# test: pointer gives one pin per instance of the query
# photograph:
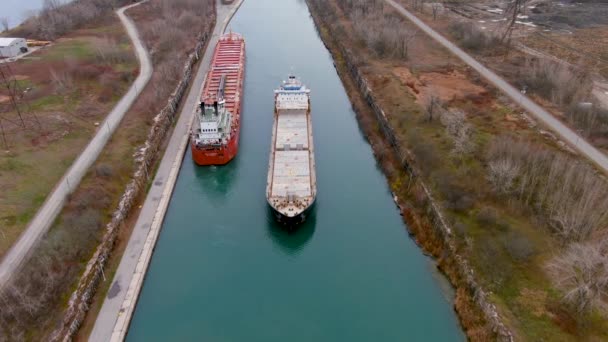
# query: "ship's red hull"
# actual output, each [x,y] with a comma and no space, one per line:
[229,61]
[215,156]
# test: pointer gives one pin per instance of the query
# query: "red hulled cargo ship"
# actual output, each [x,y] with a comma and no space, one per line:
[215,134]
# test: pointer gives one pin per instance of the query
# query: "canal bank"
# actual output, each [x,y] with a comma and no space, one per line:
[224,270]
[421,211]
[113,320]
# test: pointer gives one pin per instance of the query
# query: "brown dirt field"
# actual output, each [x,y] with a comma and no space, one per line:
[448,86]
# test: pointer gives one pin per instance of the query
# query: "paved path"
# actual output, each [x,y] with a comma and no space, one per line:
[564,132]
[54,202]
[29,52]
[113,320]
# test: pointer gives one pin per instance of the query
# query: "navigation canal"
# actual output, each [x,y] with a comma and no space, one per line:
[224,271]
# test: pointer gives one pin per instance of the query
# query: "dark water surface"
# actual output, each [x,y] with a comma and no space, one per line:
[223,271]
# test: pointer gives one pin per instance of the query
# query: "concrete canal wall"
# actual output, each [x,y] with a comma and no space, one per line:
[80,299]
[438,222]
[115,316]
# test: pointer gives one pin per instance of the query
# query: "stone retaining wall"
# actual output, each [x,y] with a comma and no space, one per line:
[145,158]
[437,219]
[434,210]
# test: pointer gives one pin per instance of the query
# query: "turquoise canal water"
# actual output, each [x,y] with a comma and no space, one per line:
[224,271]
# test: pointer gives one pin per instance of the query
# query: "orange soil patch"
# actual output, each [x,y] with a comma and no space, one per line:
[449,86]
[4,98]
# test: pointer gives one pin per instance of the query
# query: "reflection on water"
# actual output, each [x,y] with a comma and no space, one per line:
[225,270]
[216,182]
[291,241]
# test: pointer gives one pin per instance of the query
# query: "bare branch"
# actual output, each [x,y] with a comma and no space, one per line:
[582,273]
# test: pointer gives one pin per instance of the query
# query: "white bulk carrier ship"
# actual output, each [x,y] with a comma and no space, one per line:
[292,185]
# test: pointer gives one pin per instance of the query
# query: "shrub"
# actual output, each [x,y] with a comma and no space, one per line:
[487,217]
[90,72]
[459,131]
[581,272]
[472,38]
[386,35]
[519,247]
[556,82]
[495,268]
[569,194]
[104,170]
[454,195]
[62,81]
[460,228]
[108,51]
[592,120]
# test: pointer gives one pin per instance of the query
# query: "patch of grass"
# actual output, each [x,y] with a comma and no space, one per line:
[47,102]
[77,48]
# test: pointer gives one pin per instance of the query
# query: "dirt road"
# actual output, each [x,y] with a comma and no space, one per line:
[54,202]
[564,132]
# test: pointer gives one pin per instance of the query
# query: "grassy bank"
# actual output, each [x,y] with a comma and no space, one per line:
[452,124]
[69,87]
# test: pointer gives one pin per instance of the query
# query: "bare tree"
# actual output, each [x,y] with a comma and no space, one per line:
[62,81]
[406,40]
[502,174]
[4,23]
[436,7]
[418,5]
[514,10]
[577,205]
[432,106]
[458,128]
[569,195]
[582,274]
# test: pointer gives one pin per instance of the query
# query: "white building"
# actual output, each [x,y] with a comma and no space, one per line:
[11,47]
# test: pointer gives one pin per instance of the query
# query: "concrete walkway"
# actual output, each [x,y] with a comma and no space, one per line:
[563,131]
[54,202]
[118,307]
[29,52]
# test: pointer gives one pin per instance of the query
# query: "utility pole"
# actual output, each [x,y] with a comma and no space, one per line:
[513,11]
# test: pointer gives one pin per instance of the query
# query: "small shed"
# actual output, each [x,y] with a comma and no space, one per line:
[11,47]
